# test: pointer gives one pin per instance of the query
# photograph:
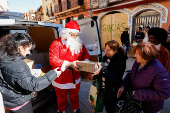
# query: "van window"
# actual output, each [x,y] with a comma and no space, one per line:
[18,31]
[4,17]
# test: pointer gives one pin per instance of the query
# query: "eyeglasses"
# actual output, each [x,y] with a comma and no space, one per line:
[108,50]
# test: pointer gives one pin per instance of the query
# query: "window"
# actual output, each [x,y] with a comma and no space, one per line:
[47,13]
[61,21]
[81,16]
[68,4]
[68,19]
[80,2]
[51,10]
[60,5]
[51,7]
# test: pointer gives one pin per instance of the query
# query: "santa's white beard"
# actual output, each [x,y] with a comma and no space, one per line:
[74,44]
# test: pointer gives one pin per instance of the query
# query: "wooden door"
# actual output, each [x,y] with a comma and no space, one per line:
[112,26]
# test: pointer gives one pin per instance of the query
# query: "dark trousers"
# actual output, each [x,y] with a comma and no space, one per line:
[25,109]
[110,105]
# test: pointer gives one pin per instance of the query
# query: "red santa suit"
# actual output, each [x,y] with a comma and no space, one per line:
[59,55]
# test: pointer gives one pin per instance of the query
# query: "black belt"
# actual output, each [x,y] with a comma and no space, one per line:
[73,75]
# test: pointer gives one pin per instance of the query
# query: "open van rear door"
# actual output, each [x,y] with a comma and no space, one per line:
[43,34]
[91,39]
[90,36]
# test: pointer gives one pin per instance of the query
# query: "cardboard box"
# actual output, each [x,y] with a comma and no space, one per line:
[132,50]
[41,58]
[30,63]
[46,68]
[88,66]
[84,74]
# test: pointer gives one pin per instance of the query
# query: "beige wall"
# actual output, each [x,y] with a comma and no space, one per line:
[46,3]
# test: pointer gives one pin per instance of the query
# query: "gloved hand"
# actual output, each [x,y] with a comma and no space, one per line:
[58,72]
[73,65]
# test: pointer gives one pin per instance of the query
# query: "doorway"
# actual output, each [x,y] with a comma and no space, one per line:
[148,18]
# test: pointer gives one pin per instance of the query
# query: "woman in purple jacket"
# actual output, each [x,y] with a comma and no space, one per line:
[149,79]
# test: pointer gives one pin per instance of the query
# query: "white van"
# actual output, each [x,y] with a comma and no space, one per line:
[43,34]
[12,15]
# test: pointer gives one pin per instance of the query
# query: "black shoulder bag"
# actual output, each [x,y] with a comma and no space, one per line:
[129,104]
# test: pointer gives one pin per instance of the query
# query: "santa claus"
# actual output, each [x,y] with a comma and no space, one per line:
[63,53]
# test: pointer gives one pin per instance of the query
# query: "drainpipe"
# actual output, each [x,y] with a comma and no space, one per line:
[90,8]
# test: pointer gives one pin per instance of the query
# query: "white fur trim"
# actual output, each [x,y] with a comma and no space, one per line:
[63,67]
[66,85]
[72,30]
[63,41]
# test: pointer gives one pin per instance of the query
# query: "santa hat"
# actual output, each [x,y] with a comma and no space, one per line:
[72,26]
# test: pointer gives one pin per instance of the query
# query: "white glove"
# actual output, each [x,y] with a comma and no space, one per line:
[73,65]
[58,72]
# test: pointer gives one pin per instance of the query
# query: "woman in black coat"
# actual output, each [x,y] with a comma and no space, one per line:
[110,75]
[18,84]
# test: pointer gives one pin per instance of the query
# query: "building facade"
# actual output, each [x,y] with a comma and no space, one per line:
[26,15]
[4,5]
[29,15]
[115,15]
[67,10]
[39,14]
[48,10]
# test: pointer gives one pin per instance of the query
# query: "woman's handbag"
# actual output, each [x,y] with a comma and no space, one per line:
[95,99]
[129,105]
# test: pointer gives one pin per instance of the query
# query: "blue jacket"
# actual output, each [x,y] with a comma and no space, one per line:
[151,84]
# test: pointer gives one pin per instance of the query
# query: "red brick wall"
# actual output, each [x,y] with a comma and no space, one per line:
[56,6]
[87,2]
[64,5]
[74,3]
